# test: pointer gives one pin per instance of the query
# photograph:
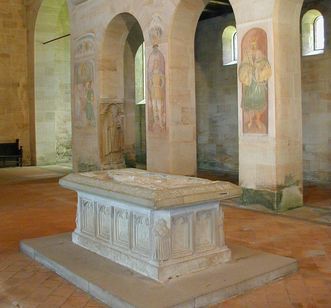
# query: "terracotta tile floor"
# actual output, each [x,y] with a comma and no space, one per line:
[317,196]
[28,209]
[33,208]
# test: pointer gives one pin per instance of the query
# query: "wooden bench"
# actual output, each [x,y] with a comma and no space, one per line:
[11,152]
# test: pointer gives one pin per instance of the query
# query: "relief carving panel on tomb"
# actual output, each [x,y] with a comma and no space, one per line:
[205,230]
[254,73]
[181,227]
[103,222]
[121,227]
[87,216]
[140,234]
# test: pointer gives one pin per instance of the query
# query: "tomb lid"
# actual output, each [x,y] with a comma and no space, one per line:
[150,189]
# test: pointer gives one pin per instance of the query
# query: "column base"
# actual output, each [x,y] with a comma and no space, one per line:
[280,200]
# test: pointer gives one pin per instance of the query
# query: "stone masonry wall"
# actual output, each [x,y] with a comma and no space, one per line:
[52,84]
[14,105]
[216,99]
[316,104]
[216,90]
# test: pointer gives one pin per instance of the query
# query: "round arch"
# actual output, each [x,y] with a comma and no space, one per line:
[181,70]
[52,83]
[122,38]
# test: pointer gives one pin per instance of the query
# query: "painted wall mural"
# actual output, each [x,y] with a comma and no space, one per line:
[156,91]
[156,81]
[84,82]
[254,73]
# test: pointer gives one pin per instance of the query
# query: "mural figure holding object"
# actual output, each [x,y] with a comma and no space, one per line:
[254,72]
[156,91]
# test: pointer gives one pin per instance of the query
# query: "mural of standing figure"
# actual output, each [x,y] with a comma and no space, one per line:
[254,72]
[84,94]
[90,102]
[156,91]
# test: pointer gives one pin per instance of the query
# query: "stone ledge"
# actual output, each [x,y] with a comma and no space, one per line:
[118,286]
[149,189]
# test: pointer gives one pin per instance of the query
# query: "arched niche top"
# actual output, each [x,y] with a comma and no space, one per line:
[117,33]
[312,27]
[52,21]
[229,45]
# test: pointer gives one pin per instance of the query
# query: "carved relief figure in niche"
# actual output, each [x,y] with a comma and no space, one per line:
[156,80]
[162,241]
[116,134]
[84,93]
[254,72]
[112,117]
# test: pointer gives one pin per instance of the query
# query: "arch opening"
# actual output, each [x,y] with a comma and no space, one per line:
[53,84]
[122,122]
[216,93]
[316,114]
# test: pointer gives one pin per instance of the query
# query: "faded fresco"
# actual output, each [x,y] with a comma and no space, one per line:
[85,104]
[156,81]
[84,94]
[254,72]
[84,83]
[156,91]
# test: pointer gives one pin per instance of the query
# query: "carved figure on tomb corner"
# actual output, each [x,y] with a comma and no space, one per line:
[162,241]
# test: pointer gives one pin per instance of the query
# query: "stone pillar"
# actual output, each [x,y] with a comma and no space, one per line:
[157,106]
[269,97]
[172,148]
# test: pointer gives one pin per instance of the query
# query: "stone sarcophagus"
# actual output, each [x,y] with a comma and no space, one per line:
[159,225]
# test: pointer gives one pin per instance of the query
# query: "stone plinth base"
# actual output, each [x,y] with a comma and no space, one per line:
[118,286]
[279,201]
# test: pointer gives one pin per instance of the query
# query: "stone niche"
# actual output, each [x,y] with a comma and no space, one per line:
[162,226]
